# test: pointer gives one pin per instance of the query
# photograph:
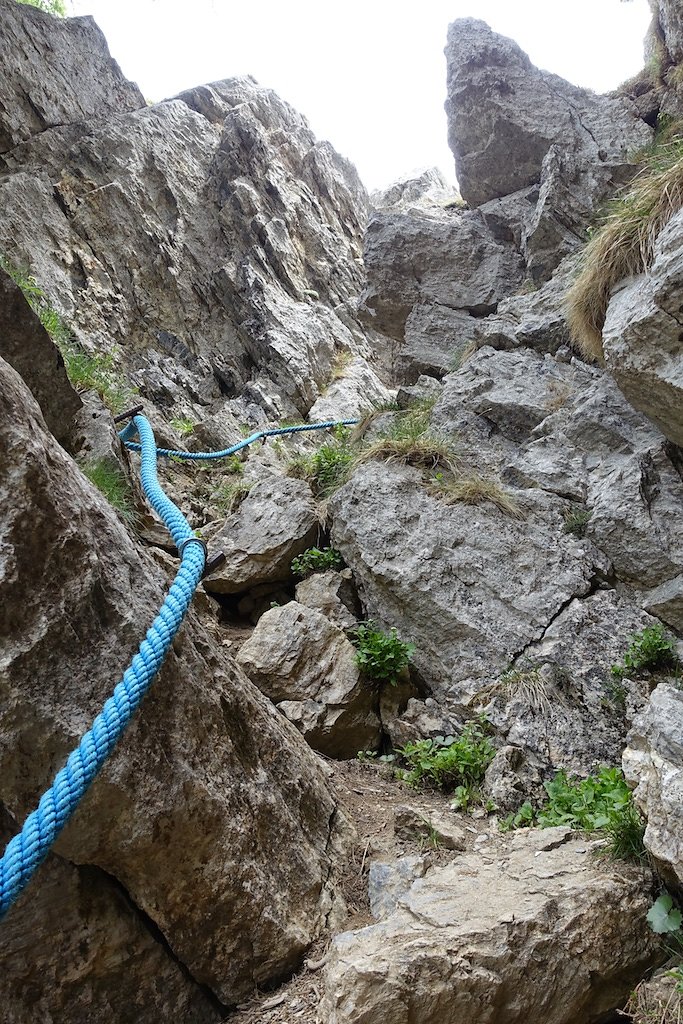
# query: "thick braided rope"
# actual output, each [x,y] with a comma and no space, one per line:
[206,456]
[26,851]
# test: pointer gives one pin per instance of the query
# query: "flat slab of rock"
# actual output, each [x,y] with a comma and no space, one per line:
[275,523]
[306,665]
[432,827]
[534,930]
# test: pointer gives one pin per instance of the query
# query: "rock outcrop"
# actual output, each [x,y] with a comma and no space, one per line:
[195,807]
[531,931]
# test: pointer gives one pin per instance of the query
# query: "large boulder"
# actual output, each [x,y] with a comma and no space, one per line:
[212,815]
[306,665]
[504,115]
[529,930]
[55,72]
[653,763]
[642,335]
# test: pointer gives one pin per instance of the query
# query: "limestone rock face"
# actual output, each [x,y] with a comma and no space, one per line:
[211,814]
[308,668]
[210,236]
[642,335]
[668,26]
[275,523]
[653,762]
[505,115]
[26,346]
[46,80]
[532,930]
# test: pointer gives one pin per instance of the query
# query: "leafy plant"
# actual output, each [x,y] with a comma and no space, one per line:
[328,467]
[650,649]
[316,560]
[109,479]
[56,7]
[382,656]
[51,320]
[576,521]
[183,426]
[447,762]
[663,917]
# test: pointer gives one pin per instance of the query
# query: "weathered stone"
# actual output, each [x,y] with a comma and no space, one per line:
[388,882]
[353,392]
[436,337]
[513,777]
[452,260]
[26,345]
[642,335]
[668,26]
[333,595]
[305,664]
[276,522]
[422,719]
[428,192]
[44,80]
[504,115]
[75,949]
[209,787]
[653,762]
[532,930]
[430,827]
[424,389]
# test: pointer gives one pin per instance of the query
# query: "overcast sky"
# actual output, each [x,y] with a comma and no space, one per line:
[368,74]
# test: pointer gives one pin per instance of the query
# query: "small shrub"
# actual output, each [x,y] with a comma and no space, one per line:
[381,656]
[447,762]
[576,521]
[651,649]
[328,468]
[228,497]
[108,478]
[316,560]
[183,426]
[598,802]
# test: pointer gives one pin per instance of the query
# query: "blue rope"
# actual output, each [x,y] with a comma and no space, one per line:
[26,851]
[206,456]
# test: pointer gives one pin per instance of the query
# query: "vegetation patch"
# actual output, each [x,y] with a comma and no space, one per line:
[381,656]
[650,650]
[474,489]
[183,426]
[109,479]
[455,763]
[623,245]
[524,683]
[316,560]
[576,521]
[408,440]
[228,497]
[601,802]
[327,468]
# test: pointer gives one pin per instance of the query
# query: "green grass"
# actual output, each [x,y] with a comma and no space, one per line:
[109,479]
[316,560]
[56,7]
[228,497]
[601,802]
[473,489]
[408,440]
[183,426]
[381,656]
[450,762]
[576,521]
[327,468]
[649,650]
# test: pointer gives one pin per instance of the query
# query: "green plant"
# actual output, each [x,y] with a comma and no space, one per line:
[665,919]
[576,521]
[624,243]
[625,832]
[326,469]
[51,320]
[649,650]
[381,656]
[56,7]
[183,426]
[229,496]
[109,479]
[447,762]
[316,560]
[525,816]
[409,441]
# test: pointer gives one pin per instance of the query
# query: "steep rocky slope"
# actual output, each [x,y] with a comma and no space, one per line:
[230,271]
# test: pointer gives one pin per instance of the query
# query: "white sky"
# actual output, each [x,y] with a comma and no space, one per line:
[368,74]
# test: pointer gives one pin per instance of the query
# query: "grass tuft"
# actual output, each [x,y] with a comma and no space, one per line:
[109,479]
[475,489]
[409,441]
[228,497]
[624,244]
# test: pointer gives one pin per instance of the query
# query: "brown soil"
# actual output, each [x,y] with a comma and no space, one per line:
[369,793]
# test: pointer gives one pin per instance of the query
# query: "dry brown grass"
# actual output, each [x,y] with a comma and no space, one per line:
[655,1002]
[474,490]
[624,245]
[408,440]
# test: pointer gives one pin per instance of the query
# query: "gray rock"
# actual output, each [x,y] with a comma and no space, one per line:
[75,949]
[333,595]
[424,389]
[513,776]
[642,335]
[435,340]
[504,115]
[195,809]
[55,72]
[452,260]
[432,828]
[668,25]
[388,882]
[356,390]
[428,192]
[532,930]
[305,664]
[653,763]
[26,345]
[276,522]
